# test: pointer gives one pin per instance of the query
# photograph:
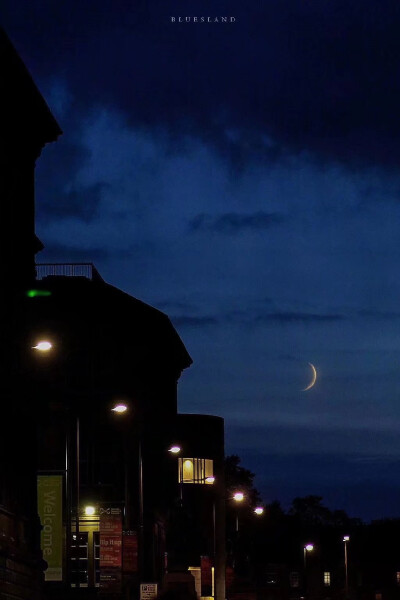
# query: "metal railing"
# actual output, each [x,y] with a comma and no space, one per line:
[87,270]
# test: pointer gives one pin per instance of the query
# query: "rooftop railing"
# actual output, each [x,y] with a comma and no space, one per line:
[87,270]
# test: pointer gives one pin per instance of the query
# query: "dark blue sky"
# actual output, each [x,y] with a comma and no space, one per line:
[244,178]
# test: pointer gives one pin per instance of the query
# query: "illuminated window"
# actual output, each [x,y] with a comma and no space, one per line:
[195,470]
[327,578]
[294,579]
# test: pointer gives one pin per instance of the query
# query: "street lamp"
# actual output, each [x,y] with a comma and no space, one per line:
[238,497]
[258,510]
[346,539]
[119,409]
[307,548]
[43,346]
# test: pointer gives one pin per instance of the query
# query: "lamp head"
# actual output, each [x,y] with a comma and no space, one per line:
[119,408]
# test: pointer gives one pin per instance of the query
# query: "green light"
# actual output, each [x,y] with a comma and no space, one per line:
[36,293]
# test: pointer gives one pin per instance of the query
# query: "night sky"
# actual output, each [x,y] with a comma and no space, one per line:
[242,177]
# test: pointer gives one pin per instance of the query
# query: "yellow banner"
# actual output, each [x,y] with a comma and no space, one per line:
[49,490]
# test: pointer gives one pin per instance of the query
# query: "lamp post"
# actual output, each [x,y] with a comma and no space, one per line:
[238,497]
[43,346]
[346,539]
[120,409]
[175,449]
[306,549]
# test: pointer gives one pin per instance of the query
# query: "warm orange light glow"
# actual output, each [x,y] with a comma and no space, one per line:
[238,496]
[120,408]
[43,346]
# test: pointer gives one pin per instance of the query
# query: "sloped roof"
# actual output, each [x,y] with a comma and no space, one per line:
[24,114]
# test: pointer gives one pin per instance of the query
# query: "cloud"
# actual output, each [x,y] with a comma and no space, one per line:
[65,253]
[286,77]
[232,223]
[293,317]
[379,314]
[193,321]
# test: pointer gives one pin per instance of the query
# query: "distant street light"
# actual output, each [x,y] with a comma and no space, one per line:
[307,548]
[238,497]
[346,539]
[259,510]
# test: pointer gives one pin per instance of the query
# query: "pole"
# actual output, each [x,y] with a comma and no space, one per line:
[346,570]
[68,537]
[141,511]
[77,499]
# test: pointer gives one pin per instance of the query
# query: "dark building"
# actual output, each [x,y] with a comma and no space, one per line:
[116,507]
[26,125]
[108,349]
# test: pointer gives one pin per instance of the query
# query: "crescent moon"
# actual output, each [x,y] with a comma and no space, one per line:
[313,380]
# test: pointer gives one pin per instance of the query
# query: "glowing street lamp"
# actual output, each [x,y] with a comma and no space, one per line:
[43,346]
[174,449]
[307,548]
[238,497]
[120,408]
[259,510]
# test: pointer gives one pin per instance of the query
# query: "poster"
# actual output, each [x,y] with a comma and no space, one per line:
[110,548]
[49,494]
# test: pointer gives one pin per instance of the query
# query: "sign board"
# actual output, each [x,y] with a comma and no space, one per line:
[49,495]
[110,538]
[110,549]
[148,591]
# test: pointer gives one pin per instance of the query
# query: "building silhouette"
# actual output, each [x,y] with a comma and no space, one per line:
[116,507]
